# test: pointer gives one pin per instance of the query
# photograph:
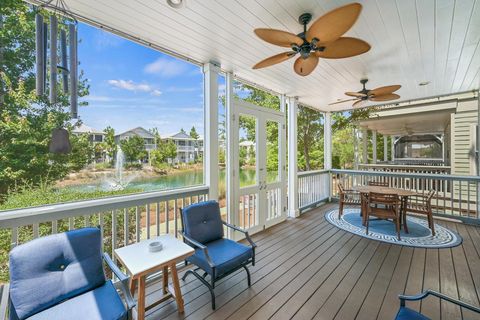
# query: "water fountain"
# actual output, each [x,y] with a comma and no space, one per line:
[119,181]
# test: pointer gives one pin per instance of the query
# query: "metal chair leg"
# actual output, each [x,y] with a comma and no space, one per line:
[248,276]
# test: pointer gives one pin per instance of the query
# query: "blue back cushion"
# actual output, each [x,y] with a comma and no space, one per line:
[202,221]
[48,270]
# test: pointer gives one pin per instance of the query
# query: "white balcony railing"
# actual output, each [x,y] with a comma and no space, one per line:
[313,188]
[456,196]
[122,219]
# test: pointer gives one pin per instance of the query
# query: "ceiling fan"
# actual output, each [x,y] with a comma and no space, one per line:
[322,40]
[378,94]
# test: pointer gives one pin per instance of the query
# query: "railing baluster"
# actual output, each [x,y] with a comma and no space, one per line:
[114,231]
[35,230]
[126,231]
[100,224]
[167,229]
[175,210]
[137,224]
[147,219]
[14,237]
[54,226]
[157,218]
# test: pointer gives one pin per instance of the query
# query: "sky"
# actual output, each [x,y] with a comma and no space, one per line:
[131,86]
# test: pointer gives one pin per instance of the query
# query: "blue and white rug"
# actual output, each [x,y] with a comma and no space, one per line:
[419,234]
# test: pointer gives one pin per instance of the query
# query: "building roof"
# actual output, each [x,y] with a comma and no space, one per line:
[182,136]
[86,129]
[139,131]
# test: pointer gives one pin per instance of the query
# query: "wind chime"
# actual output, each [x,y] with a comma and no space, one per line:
[60,142]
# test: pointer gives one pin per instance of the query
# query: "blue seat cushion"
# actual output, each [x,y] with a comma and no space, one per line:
[225,254]
[102,303]
[49,270]
[202,221]
[408,314]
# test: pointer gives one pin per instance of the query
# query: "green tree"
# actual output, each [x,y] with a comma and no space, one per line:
[310,138]
[110,146]
[169,150]
[194,135]
[133,148]
[83,151]
[26,121]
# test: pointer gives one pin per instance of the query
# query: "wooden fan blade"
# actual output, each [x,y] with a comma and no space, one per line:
[343,47]
[384,90]
[274,59]
[342,101]
[385,97]
[278,37]
[305,66]
[359,103]
[335,23]
[355,94]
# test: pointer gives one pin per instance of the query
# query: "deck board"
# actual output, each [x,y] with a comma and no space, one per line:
[308,269]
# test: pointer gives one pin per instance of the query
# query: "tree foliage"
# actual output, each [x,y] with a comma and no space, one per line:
[109,143]
[133,148]
[26,120]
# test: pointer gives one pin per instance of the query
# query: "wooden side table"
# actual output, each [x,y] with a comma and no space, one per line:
[140,263]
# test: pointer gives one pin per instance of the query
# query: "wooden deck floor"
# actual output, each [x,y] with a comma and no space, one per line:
[309,269]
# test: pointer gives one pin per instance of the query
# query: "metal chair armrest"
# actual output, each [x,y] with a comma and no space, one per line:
[442,296]
[124,281]
[247,236]
[200,246]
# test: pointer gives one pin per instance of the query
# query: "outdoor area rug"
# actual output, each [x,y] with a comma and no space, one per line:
[419,234]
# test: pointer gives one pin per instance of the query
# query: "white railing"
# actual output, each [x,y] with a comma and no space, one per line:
[123,219]
[456,196]
[406,168]
[313,188]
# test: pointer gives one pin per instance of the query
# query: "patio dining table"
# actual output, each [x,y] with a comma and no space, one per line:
[402,193]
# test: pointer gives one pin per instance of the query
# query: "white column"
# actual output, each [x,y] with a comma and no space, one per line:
[282,151]
[292,159]
[365,145]
[374,146]
[392,138]
[355,148]
[327,141]
[210,93]
[385,148]
[232,152]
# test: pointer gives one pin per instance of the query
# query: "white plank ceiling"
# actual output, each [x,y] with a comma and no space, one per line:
[412,41]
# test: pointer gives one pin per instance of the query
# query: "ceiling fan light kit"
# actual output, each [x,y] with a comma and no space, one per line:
[322,40]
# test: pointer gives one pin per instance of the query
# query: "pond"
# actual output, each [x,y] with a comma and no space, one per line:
[175,180]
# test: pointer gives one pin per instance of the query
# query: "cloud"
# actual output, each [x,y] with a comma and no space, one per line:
[94,98]
[132,86]
[166,67]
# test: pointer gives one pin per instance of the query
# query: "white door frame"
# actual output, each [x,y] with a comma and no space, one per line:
[276,191]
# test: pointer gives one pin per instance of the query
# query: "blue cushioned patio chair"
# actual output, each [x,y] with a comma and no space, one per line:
[61,277]
[405,313]
[202,228]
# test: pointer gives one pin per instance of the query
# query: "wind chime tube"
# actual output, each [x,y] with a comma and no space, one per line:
[39,53]
[63,49]
[44,55]
[53,59]
[73,71]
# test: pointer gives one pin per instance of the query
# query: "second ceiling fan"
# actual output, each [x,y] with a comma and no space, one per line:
[322,40]
[361,97]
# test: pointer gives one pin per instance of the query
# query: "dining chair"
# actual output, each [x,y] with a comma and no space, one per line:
[378,183]
[405,313]
[384,206]
[347,197]
[422,204]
